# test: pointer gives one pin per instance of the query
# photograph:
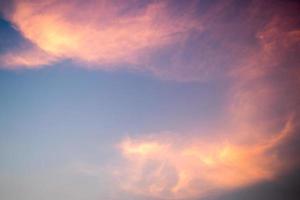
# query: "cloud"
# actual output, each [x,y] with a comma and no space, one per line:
[191,41]
[102,32]
[167,167]
[262,114]
[26,58]
[286,187]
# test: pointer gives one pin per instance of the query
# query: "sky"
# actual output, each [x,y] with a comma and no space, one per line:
[149,100]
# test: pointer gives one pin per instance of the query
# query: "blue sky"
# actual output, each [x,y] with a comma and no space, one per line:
[57,117]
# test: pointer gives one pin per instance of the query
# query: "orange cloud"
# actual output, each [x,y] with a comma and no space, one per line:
[100,33]
[262,110]
[184,45]
[194,167]
[28,58]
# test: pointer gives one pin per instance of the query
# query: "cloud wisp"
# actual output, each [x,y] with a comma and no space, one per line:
[263,114]
[164,168]
[102,33]
[194,40]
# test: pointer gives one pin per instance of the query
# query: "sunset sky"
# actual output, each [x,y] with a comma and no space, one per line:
[149,100]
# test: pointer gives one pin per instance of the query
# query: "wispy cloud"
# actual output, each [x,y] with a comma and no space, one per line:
[254,147]
[26,58]
[262,118]
[102,32]
[195,41]
[181,166]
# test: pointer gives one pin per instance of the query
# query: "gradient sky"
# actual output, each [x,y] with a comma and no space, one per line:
[149,100]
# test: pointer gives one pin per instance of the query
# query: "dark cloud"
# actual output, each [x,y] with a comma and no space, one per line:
[285,187]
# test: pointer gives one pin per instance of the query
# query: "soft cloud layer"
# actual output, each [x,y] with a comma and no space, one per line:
[263,114]
[164,168]
[27,58]
[103,32]
[194,40]
[255,145]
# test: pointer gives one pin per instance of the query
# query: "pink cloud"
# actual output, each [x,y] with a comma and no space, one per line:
[100,33]
[262,119]
[184,44]
[162,167]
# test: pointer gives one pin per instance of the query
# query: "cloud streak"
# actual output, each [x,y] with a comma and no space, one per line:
[102,33]
[172,167]
[194,41]
[262,119]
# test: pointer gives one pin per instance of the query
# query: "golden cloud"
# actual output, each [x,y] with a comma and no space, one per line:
[262,119]
[183,44]
[28,58]
[100,33]
[164,168]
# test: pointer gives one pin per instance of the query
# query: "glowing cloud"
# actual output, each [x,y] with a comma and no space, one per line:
[32,58]
[102,32]
[183,44]
[261,120]
[194,168]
